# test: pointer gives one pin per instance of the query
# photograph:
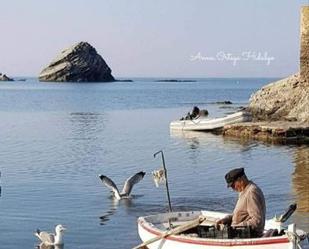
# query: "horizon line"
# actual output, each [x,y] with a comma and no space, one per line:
[181,77]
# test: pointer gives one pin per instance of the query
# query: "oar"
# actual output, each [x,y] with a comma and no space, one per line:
[173,231]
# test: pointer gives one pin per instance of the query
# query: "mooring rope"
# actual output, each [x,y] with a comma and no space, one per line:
[294,237]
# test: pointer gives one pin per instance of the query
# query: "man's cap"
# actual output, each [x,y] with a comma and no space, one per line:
[233,175]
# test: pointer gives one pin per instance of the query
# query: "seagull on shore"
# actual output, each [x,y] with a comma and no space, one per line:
[50,238]
[128,185]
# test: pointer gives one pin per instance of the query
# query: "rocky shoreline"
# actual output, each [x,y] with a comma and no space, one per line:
[280,114]
[280,110]
[284,100]
[276,132]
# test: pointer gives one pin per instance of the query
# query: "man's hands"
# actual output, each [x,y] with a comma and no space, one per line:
[224,221]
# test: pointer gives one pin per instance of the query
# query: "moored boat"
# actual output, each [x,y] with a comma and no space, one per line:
[156,230]
[203,123]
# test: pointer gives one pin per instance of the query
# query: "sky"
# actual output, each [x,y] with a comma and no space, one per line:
[156,38]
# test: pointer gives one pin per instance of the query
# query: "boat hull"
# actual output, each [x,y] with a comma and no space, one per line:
[148,230]
[206,124]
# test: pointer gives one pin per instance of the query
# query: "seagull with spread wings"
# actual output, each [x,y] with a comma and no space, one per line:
[128,185]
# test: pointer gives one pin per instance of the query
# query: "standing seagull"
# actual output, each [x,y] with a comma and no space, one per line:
[128,185]
[50,238]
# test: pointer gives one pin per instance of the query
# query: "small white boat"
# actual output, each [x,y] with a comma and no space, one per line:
[203,123]
[156,226]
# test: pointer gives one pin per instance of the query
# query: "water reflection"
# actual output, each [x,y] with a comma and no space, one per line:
[43,246]
[193,138]
[300,178]
[113,208]
[198,139]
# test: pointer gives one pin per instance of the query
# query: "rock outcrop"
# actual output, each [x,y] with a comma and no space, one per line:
[285,100]
[3,77]
[278,132]
[79,63]
[280,110]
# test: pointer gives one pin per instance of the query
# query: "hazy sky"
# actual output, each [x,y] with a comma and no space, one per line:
[164,38]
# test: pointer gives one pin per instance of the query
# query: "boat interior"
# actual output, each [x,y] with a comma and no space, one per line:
[207,228]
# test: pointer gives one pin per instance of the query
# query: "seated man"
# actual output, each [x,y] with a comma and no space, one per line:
[196,113]
[250,208]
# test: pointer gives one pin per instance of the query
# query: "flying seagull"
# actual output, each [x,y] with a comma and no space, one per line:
[50,238]
[128,185]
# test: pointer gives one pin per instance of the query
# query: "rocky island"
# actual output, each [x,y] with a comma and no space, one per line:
[280,110]
[79,63]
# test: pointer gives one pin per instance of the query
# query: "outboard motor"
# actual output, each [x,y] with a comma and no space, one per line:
[284,217]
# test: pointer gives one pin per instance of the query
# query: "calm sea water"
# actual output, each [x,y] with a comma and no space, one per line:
[55,139]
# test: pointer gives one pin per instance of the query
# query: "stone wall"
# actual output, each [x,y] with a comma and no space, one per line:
[304,44]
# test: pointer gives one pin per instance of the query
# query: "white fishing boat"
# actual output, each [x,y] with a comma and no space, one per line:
[206,124]
[190,230]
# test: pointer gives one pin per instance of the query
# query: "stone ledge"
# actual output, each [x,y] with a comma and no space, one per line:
[280,132]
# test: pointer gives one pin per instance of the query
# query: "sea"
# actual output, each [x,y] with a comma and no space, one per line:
[57,138]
